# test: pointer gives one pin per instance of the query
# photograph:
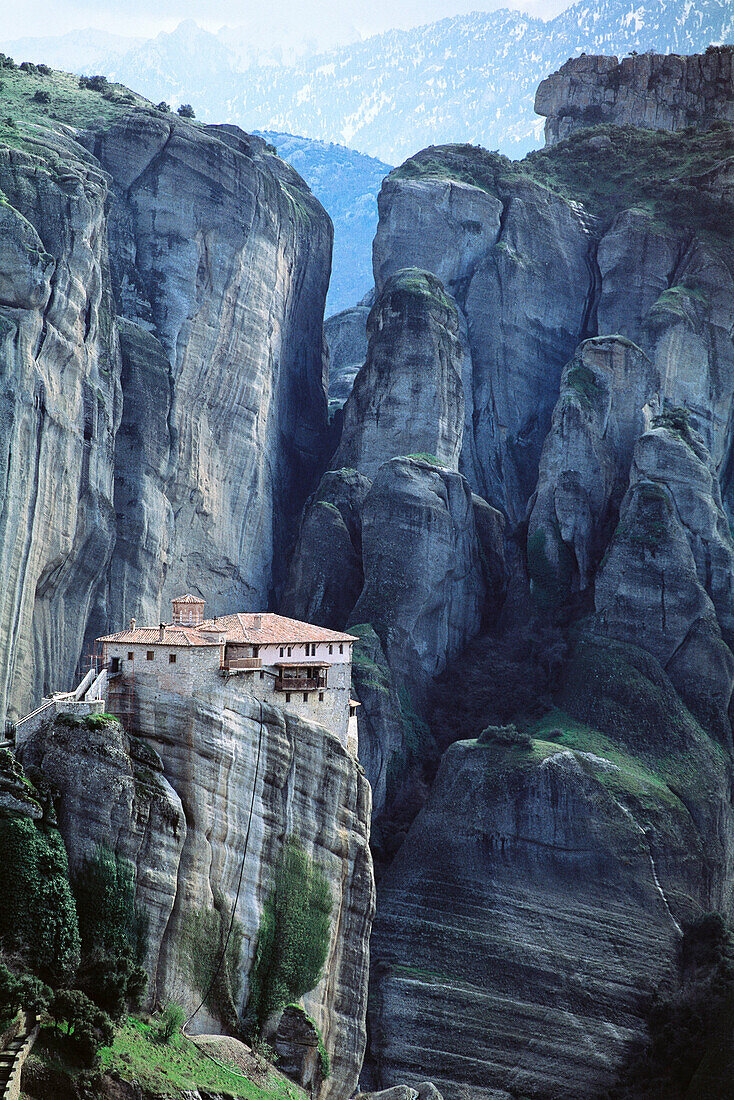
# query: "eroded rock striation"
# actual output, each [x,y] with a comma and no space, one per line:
[171,447]
[609,390]
[549,886]
[666,582]
[657,91]
[61,405]
[176,801]
[408,396]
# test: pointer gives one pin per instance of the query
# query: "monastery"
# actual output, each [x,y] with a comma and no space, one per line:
[293,665]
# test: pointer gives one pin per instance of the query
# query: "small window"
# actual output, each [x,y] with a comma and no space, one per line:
[256,651]
[341,647]
[305,696]
[331,649]
[289,651]
[282,651]
[130,655]
[321,696]
[287,697]
[262,674]
[172,658]
[149,655]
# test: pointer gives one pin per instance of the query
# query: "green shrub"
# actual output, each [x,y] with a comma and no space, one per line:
[113,934]
[294,936]
[37,912]
[109,918]
[85,1026]
[171,1021]
[505,735]
[186,111]
[94,83]
[689,1051]
[203,942]
[42,96]
[162,106]
[21,991]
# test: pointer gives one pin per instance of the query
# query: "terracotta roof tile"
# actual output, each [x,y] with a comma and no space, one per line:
[275,629]
[188,598]
[150,635]
[240,627]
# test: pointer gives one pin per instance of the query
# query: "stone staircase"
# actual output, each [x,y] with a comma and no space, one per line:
[12,1058]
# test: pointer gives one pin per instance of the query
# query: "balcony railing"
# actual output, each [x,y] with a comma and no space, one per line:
[299,683]
[242,663]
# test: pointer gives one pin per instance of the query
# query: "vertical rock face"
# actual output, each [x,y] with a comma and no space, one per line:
[668,571]
[60,407]
[145,520]
[326,577]
[223,250]
[528,908]
[586,459]
[177,802]
[424,590]
[218,256]
[408,397]
[659,92]
[496,245]
[346,336]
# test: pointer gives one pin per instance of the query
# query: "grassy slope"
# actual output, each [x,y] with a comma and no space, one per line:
[69,103]
[174,1068]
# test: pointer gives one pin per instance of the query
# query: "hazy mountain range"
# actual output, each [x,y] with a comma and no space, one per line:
[470,78]
[346,183]
[467,78]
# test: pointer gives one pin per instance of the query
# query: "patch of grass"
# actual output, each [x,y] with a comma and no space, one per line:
[421,456]
[654,171]
[168,1068]
[62,100]
[582,382]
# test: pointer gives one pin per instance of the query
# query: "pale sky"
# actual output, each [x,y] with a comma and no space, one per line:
[318,17]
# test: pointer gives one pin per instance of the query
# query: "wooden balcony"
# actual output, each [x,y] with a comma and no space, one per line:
[242,664]
[300,683]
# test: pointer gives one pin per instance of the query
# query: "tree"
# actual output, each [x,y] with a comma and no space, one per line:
[186,111]
[21,991]
[87,1027]
[162,106]
[171,1022]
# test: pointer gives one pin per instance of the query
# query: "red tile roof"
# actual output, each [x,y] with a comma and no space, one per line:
[188,598]
[273,629]
[150,635]
[240,627]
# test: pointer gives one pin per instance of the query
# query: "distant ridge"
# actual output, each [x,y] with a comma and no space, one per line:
[467,78]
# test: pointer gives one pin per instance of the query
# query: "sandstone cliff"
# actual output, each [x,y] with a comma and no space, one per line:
[661,92]
[176,802]
[61,404]
[171,447]
[408,396]
[548,884]
[346,336]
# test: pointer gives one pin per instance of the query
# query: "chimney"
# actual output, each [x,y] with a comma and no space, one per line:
[257,622]
[132,624]
[161,632]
